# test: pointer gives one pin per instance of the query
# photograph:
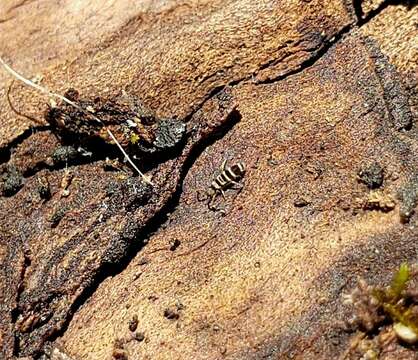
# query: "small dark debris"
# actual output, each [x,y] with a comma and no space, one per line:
[315,169]
[174,244]
[58,216]
[137,275]
[179,306]
[111,165]
[64,154]
[301,202]
[143,261]
[372,176]
[44,189]
[133,323]
[12,182]
[272,161]
[72,94]
[119,344]
[112,187]
[139,336]
[119,354]
[171,314]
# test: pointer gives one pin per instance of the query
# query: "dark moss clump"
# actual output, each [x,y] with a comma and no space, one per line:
[372,176]
[408,197]
[169,134]
[64,155]
[136,192]
[113,187]
[12,182]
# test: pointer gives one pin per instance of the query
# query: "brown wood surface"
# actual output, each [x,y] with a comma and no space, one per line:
[306,93]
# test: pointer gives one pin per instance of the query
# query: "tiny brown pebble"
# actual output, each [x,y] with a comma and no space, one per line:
[133,323]
[273,162]
[143,261]
[119,354]
[137,275]
[118,344]
[171,314]
[44,189]
[139,336]
[174,244]
[301,202]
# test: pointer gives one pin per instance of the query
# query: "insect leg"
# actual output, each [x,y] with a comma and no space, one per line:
[202,196]
[237,184]
[210,204]
[223,165]
[223,194]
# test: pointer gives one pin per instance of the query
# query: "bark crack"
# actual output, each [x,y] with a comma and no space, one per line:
[152,226]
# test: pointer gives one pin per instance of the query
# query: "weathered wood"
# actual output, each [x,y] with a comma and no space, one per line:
[292,89]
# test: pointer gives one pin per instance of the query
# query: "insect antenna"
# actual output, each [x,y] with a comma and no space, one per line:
[69,102]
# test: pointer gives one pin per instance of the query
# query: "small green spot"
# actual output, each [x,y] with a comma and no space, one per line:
[399,282]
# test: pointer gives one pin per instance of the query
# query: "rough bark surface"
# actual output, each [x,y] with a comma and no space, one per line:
[310,95]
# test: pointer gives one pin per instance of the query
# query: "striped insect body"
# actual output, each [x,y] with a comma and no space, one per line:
[229,176]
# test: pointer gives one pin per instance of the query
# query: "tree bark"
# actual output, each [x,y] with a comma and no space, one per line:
[309,95]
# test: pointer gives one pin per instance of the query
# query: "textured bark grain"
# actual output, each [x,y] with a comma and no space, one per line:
[296,90]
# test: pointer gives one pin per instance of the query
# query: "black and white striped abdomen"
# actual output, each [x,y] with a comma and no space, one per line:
[228,176]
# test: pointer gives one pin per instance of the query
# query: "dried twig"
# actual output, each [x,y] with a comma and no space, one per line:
[16,111]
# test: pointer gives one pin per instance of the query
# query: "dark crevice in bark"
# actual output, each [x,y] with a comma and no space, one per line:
[211,94]
[318,54]
[98,151]
[6,151]
[152,226]
[373,13]
[2,21]
[328,44]
[15,312]
[358,10]
[18,5]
